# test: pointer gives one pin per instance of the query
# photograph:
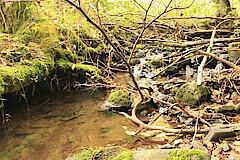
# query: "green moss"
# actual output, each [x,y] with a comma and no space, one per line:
[124,155]
[119,98]
[22,48]
[139,46]
[23,74]
[86,154]
[77,67]
[105,153]
[82,68]
[42,32]
[186,154]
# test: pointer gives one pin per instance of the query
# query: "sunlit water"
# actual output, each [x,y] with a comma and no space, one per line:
[56,127]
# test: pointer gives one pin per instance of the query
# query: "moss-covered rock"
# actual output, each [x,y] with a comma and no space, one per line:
[124,155]
[234,51]
[117,101]
[85,154]
[186,154]
[191,94]
[103,153]
[170,154]
[157,63]
[119,98]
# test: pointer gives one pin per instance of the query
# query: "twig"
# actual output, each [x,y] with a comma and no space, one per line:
[139,5]
[144,21]
[195,133]
[163,70]
[159,114]
[192,114]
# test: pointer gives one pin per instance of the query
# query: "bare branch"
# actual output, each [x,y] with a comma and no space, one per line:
[118,51]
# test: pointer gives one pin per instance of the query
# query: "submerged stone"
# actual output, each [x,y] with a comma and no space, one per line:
[190,94]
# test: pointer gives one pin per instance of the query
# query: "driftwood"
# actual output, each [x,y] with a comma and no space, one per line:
[142,125]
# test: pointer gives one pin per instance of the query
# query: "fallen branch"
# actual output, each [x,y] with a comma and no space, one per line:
[195,133]
[200,68]
[163,70]
[194,43]
[221,59]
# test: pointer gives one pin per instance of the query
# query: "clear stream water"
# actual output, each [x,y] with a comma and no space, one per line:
[56,127]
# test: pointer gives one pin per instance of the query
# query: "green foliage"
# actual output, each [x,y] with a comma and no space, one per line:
[186,154]
[119,98]
[124,155]
[15,15]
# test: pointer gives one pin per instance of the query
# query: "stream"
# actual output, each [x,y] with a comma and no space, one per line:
[55,127]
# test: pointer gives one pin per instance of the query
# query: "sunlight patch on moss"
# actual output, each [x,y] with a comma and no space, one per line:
[186,154]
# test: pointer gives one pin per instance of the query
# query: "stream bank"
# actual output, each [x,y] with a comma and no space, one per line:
[35,49]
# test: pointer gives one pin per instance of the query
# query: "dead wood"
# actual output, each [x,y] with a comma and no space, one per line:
[194,43]
[221,59]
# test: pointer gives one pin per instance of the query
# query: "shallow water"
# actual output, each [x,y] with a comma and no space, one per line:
[55,127]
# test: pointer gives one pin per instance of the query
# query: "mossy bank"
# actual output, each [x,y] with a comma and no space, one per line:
[34,48]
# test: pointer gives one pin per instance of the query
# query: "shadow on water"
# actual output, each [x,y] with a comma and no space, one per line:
[54,127]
